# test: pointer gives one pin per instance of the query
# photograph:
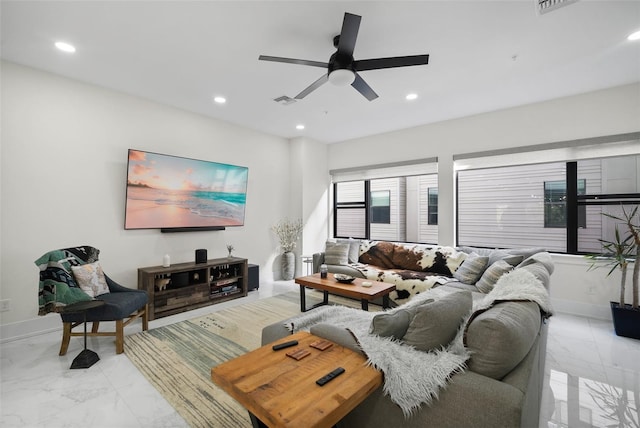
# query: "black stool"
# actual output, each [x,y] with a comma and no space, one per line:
[87,357]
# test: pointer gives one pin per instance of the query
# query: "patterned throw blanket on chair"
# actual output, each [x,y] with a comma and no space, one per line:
[57,287]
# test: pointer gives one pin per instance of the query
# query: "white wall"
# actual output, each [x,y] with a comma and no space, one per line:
[311,179]
[601,113]
[64,158]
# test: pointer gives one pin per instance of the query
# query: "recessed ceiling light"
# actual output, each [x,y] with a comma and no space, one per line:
[300,127]
[65,47]
[410,97]
[634,36]
[219,100]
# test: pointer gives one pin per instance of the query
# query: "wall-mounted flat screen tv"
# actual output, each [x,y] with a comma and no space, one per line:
[176,194]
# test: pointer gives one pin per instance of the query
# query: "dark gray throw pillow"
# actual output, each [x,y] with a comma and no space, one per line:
[436,324]
[394,324]
[391,325]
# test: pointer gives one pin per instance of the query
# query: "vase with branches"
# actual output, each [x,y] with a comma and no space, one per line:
[288,231]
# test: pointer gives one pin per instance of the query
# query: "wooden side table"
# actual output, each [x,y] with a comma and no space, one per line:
[280,392]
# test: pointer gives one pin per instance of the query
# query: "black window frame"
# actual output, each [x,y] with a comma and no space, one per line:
[561,205]
[352,205]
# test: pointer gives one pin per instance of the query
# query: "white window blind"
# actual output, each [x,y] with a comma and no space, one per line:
[396,169]
[565,151]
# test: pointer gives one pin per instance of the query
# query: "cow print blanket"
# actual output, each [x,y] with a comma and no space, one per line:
[413,268]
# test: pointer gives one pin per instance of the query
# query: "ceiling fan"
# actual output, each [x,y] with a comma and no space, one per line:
[342,69]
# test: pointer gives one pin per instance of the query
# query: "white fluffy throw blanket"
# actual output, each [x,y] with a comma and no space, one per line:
[413,377]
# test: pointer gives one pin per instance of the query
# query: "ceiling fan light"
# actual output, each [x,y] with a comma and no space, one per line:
[342,77]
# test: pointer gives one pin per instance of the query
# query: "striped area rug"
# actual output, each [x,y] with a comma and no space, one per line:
[177,359]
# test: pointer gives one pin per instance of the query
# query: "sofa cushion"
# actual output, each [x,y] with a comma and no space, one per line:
[336,253]
[354,249]
[543,258]
[471,269]
[492,274]
[435,324]
[391,325]
[394,324]
[500,337]
[335,334]
[539,271]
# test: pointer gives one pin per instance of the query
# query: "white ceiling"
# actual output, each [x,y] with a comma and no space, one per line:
[484,56]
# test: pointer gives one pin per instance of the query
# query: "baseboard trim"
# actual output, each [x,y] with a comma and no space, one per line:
[588,310]
[29,328]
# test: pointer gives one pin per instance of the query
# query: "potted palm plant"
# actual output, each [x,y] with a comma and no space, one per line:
[617,254]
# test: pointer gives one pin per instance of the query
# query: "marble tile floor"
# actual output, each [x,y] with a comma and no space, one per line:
[591,374]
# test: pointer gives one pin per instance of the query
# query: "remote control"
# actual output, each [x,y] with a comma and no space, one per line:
[330,376]
[285,345]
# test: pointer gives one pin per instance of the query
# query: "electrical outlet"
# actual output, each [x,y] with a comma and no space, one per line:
[5,305]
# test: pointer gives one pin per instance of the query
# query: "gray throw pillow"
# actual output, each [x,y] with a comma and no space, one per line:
[335,334]
[436,324]
[471,269]
[539,271]
[354,249]
[394,324]
[492,274]
[391,325]
[336,254]
[500,337]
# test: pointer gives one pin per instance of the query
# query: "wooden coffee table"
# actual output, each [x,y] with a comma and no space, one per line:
[354,289]
[279,391]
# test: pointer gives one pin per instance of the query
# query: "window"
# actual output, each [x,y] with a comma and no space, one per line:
[380,207]
[387,209]
[350,210]
[432,205]
[532,206]
[555,204]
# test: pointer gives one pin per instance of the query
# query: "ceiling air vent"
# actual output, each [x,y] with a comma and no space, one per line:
[546,6]
[284,100]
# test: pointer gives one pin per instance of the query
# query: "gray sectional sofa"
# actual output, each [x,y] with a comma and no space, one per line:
[414,268]
[502,384]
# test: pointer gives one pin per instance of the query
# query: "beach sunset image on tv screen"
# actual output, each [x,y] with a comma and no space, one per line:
[174,192]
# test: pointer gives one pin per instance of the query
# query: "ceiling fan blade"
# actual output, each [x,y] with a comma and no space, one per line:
[349,34]
[293,61]
[315,85]
[362,87]
[397,61]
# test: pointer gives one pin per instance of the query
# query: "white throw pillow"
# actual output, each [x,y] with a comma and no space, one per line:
[91,279]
